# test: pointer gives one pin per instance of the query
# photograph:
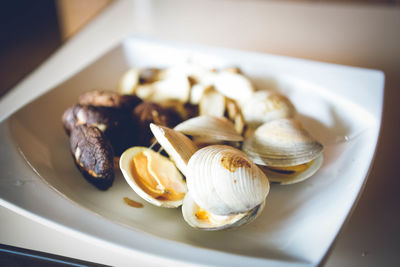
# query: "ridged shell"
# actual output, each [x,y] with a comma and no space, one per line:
[216,222]
[179,147]
[285,179]
[281,142]
[264,106]
[224,181]
[218,128]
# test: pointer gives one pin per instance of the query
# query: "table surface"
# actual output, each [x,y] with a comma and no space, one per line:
[358,35]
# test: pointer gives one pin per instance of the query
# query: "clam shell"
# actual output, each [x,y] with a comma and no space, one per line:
[129,82]
[224,181]
[285,179]
[150,190]
[235,115]
[264,106]
[209,126]
[216,222]
[233,85]
[196,93]
[198,73]
[212,103]
[281,142]
[171,88]
[179,147]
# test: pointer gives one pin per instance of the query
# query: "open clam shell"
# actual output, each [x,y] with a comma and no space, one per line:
[233,85]
[282,143]
[199,74]
[223,181]
[172,88]
[291,176]
[153,177]
[234,114]
[129,81]
[264,106]
[218,128]
[179,147]
[212,103]
[198,218]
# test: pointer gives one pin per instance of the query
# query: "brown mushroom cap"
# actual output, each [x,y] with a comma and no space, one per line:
[93,155]
[108,99]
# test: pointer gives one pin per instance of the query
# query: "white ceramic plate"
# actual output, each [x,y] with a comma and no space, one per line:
[339,105]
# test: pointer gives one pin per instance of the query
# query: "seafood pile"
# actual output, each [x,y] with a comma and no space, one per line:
[206,140]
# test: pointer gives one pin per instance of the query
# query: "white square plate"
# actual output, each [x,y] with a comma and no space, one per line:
[341,106]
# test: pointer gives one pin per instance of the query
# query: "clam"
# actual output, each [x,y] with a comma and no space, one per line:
[153,177]
[233,85]
[179,147]
[217,128]
[199,74]
[293,174]
[136,77]
[223,181]
[197,217]
[235,115]
[286,149]
[171,88]
[129,82]
[264,106]
[196,93]
[212,103]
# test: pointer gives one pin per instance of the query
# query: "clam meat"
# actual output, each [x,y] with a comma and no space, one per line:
[153,177]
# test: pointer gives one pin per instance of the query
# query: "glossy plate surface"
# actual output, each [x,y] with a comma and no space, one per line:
[341,106]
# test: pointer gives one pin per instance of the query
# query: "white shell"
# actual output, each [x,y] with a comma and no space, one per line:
[171,88]
[264,106]
[196,93]
[200,74]
[125,166]
[218,128]
[179,147]
[129,82]
[233,85]
[281,142]
[224,181]
[285,179]
[234,114]
[212,103]
[216,222]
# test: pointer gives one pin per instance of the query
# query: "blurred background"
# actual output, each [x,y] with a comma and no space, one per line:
[32,30]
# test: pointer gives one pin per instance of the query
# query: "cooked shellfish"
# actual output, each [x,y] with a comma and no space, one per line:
[233,85]
[179,147]
[222,180]
[217,128]
[197,217]
[285,147]
[153,177]
[264,106]
[212,103]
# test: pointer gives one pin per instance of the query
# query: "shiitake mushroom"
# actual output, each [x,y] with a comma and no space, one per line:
[93,155]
